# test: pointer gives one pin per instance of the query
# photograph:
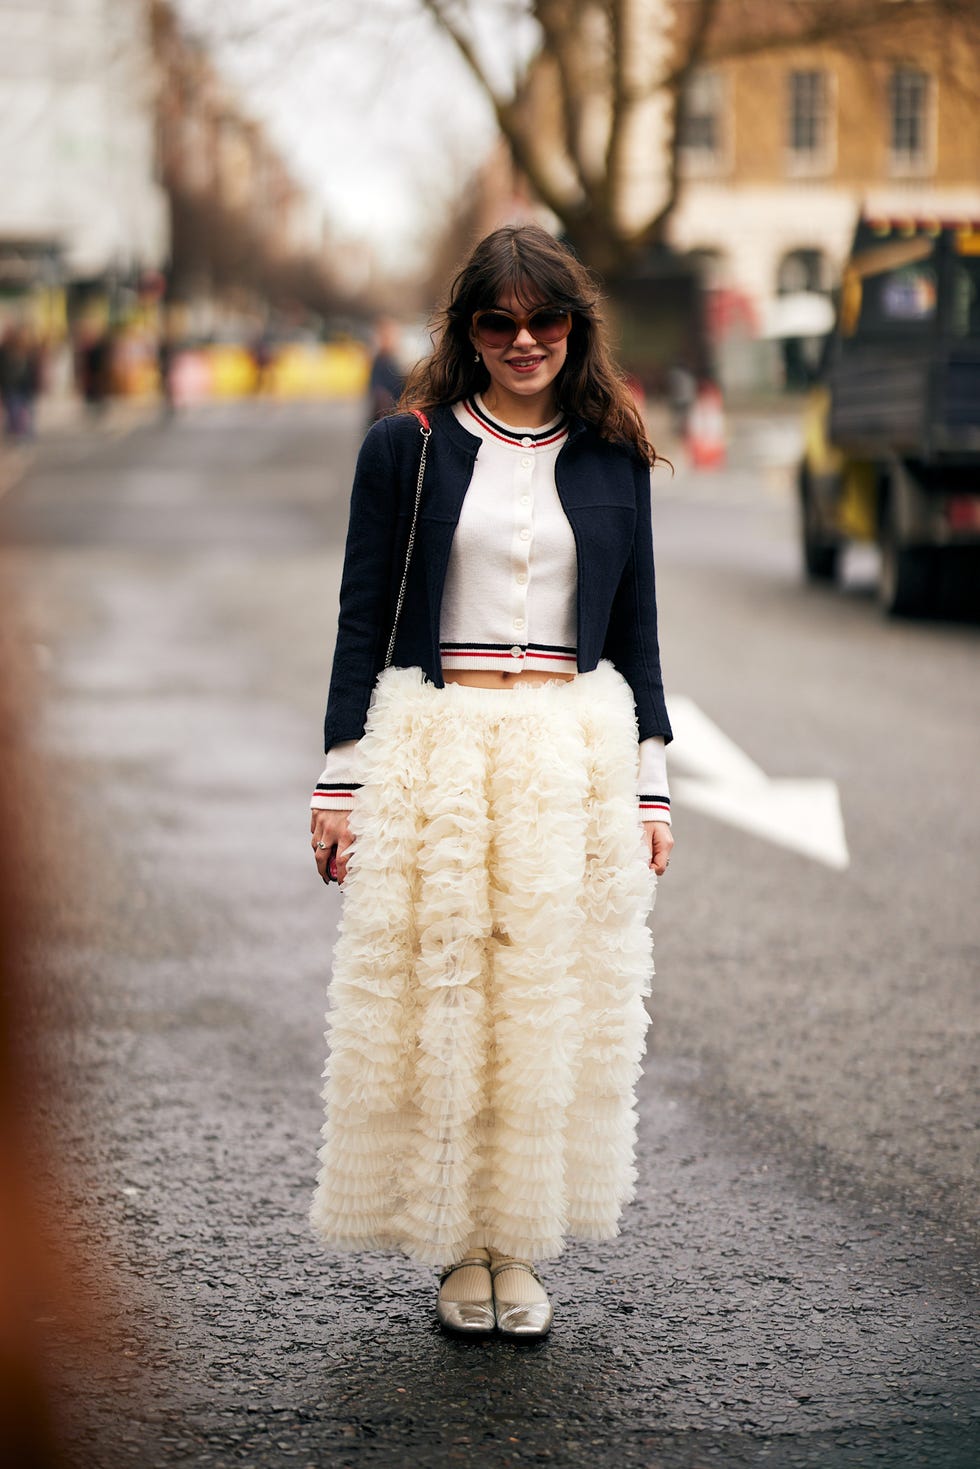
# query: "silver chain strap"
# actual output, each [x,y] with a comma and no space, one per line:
[426,431]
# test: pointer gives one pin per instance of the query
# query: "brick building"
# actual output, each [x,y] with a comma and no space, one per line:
[780,153]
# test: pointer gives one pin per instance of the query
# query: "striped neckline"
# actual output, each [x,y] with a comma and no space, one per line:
[520,438]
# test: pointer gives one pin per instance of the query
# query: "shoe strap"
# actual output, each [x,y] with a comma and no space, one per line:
[515,1265]
[469,1260]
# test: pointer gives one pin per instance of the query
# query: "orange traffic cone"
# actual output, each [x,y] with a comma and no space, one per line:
[706,429]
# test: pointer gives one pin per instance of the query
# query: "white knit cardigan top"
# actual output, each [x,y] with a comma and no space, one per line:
[509,597]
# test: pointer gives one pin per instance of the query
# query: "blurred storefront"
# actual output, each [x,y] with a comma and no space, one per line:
[32,284]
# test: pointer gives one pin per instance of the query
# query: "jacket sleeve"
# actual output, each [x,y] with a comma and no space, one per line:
[365,589]
[631,637]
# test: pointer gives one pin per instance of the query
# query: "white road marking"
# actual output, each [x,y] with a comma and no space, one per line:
[803,815]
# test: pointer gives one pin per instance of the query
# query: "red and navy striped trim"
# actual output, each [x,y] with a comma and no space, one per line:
[654,804]
[337,788]
[517,438]
[553,653]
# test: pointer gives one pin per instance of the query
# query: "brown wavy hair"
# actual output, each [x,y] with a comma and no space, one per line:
[526,260]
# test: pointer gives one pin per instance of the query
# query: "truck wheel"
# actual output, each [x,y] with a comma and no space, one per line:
[907,577]
[820,554]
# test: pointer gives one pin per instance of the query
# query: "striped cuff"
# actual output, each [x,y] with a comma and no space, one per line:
[654,808]
[654,800]
[338,796]
[335,787]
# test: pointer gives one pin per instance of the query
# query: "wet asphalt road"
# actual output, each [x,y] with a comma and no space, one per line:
[795,1284]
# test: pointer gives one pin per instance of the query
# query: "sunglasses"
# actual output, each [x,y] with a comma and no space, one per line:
[496,328]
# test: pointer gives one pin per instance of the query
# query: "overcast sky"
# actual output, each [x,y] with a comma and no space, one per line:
[370,103]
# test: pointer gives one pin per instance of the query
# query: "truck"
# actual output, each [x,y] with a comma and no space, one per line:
[891,434]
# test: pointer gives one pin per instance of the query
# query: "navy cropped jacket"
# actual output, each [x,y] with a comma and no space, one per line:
[605,492]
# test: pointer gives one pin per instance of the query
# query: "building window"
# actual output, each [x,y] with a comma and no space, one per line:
[702,133]
[911,132]
[803,270]
[809,120]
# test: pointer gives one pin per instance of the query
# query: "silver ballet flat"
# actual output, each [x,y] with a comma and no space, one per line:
[467,1318]
[517,1319]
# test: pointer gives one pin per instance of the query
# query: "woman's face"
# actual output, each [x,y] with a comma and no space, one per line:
[522,375]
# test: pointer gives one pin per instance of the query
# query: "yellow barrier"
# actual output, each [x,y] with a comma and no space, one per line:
[231,371]
[225,372]
[337,370]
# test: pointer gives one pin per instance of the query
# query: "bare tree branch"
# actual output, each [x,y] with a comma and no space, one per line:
[506,112]
[557,19]
[619,105]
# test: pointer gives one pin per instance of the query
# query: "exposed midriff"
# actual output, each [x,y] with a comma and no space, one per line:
[491,678]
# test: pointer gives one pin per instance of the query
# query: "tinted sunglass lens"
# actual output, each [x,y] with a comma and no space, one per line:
[496,328]
[549,324]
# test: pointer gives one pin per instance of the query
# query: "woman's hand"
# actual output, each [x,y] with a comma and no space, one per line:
[332,828]
[659,840]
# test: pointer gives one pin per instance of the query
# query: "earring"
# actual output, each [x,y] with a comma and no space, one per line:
[477,357]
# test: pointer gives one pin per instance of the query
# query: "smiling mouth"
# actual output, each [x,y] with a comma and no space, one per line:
[524,364]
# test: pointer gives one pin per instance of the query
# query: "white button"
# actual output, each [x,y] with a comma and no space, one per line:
[525,499]
[525,444]
[526,463]
[517,652]
[525,534]
[518,622]
[522,579]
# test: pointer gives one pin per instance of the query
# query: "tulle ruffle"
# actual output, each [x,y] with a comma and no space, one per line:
[487,1021]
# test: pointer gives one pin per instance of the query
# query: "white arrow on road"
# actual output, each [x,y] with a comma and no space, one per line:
[721,781]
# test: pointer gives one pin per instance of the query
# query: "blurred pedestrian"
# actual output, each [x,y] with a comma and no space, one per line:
[165,372]
[262,354]
[386,381]
[20,380]
[682,389]
[486,803]
[94,367]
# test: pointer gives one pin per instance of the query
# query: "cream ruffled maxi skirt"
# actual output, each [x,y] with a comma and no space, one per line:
[487,1021]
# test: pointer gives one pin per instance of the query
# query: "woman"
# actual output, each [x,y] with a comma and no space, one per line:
[487,1018]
